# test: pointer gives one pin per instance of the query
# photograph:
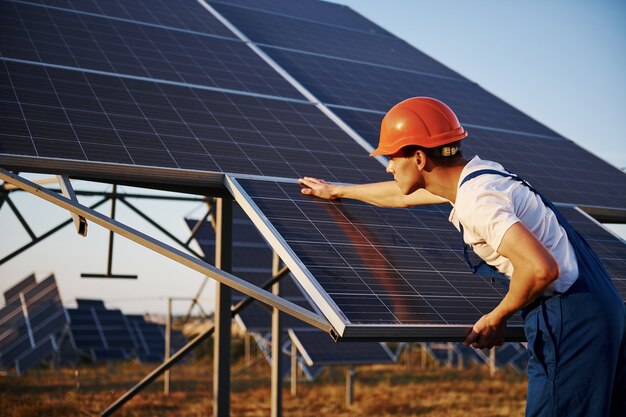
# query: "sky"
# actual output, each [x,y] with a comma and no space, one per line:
[561,62]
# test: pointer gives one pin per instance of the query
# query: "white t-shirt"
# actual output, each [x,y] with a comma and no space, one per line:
[488,205]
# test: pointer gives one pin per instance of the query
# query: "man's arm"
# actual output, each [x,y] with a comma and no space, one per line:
[535,268]
[382,194]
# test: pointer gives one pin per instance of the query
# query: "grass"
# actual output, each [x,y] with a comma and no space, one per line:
[380,390]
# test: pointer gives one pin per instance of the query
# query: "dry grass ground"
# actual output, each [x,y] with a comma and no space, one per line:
[380,390]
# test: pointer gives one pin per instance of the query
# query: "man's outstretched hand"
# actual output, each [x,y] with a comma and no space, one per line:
[318,188]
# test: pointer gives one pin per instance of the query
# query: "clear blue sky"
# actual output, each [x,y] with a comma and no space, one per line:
[561,62]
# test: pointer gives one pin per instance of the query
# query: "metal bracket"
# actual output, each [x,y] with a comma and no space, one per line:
[68,191]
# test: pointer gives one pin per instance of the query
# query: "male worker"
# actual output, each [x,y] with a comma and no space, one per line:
[574,318]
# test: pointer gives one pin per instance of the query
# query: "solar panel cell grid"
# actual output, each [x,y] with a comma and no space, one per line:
[322,12]
[181,14]
[323,350]
[367,268]
[362,86]
[13,293]
[281,31]
[560,169]
[94,43]
[151,124]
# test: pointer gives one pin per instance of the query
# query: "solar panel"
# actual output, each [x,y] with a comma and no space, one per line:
[252,261]
[343,83]
[181,14]
[286,32]
[31,323]
[33,357]
[611,249]
[13,293]
[65,38]
[149,339]
[374,272]
[560,169]
[326,13]
[52,113]
[319,349]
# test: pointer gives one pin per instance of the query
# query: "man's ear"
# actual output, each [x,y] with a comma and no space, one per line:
[420,159]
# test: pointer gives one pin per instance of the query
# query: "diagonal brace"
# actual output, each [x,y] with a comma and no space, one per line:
[149,242]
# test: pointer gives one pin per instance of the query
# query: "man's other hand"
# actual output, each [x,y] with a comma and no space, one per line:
[318,188]
[486,333]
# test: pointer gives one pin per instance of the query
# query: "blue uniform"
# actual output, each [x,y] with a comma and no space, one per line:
[576,339]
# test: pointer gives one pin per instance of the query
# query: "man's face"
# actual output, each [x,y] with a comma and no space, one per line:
[405,172]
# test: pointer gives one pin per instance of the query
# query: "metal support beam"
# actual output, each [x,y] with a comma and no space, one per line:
[109,273]
[167,353]
[159,227]
[21,219]
[157,246]
[46,234]
[68,191]
[294,369]
[350,377]
[222,318]
[277,392]
[492,362]
[184,350]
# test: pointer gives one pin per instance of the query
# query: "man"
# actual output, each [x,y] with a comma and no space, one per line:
[574,318]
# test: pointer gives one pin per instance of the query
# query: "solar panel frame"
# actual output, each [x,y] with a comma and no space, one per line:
[323,351]
[343,326]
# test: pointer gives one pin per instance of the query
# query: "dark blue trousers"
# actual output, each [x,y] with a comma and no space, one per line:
[576,340]
[577,351]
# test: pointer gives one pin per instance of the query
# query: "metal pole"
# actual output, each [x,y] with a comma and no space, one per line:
[276,394]
[246,343]
[450,355]
[168,341]
[221,347]
[492,362]
[350,377]
[111,234]
[294,369]
[424,355]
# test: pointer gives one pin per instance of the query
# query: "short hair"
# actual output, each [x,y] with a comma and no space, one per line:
[446,155]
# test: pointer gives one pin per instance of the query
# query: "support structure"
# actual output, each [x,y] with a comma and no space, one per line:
[222,319]
[168,251]
[158,371]
[350,377]
[68,191]
[294,369]
[276,392]
[492,362]
[168,343]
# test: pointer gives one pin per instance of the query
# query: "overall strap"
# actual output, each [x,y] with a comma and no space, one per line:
[483,268]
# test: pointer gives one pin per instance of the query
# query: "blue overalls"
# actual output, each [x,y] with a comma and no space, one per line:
[576,339]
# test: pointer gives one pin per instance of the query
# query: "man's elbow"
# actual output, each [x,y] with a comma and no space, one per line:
[548,272]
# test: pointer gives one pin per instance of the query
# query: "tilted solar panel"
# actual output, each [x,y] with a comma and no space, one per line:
[178,14]
[65,38]
[285,32]
[31,323]
[71,115]
[326,13]
[560,169]
[374,272]
[319,349]
[13,293]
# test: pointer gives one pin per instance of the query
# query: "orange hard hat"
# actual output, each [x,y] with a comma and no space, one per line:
[422,121]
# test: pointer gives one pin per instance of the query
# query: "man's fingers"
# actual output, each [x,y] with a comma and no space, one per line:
[471,338]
